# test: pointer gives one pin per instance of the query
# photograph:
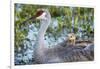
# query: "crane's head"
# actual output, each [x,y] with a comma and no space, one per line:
[41,14]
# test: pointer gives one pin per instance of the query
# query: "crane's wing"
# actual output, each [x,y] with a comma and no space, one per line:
[73,53]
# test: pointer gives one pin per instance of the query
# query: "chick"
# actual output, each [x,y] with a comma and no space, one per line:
[71,38]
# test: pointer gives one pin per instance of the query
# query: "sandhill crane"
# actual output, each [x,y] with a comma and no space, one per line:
[59,53]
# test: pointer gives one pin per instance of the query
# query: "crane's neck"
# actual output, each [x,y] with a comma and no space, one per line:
[42,31]
[41,47]
[43,27]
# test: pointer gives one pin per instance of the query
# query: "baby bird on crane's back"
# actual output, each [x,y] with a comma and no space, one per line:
[71,39]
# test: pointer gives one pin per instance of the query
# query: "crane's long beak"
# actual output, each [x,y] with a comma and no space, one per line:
[31,18]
